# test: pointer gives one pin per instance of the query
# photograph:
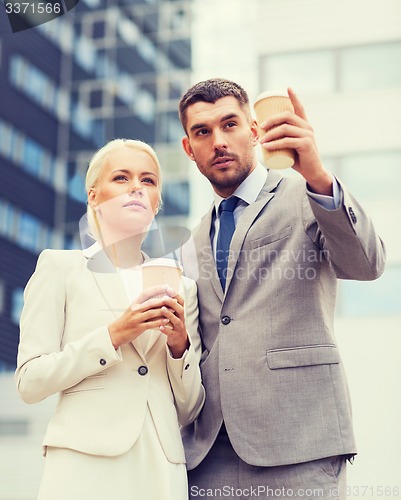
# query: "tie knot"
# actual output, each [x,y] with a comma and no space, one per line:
[229,204]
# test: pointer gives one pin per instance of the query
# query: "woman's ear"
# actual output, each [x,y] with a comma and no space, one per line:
[92,197]
[159,206]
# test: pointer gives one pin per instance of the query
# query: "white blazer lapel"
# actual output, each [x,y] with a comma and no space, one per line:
[111,286]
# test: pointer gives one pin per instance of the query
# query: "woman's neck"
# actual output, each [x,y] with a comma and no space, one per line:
[125,253]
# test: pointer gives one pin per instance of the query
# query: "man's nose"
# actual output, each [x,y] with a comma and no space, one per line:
[219,140]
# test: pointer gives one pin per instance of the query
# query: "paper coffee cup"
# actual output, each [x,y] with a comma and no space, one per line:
[266,105]
[161,272]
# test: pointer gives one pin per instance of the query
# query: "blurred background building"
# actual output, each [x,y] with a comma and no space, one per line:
[106,69]
[114,68]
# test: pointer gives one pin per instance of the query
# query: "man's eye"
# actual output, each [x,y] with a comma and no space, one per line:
[202,131]
[230,124]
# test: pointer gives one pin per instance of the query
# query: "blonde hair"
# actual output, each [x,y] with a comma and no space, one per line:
[95,168]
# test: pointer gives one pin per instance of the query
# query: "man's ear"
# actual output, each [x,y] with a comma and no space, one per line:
[255,132]
[187,147]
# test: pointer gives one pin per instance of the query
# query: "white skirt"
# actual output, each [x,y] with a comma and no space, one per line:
[142,473]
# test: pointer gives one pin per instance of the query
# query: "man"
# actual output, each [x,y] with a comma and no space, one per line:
[277,418]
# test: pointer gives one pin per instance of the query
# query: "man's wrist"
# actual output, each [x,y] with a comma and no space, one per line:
[323,184]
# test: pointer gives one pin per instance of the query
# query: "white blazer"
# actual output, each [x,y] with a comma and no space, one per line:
[65,348]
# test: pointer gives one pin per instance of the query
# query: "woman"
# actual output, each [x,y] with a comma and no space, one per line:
[126,368]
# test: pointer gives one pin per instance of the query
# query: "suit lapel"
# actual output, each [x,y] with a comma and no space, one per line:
[206,253]
[247,219]
[112,289]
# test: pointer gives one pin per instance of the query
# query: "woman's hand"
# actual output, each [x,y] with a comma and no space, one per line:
[145,313]
[175,330]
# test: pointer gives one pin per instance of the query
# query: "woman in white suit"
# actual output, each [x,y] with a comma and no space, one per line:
[125,361]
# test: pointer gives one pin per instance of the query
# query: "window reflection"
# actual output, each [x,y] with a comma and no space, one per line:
[308,72]
[373,298]
[26,231]
[367,67]
[371,67]
[373,176]
[31,156]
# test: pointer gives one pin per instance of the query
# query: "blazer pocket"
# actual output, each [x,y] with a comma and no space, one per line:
[272,237]
[294,357]
[92,383]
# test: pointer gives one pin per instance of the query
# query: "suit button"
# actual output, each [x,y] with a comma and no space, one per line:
[102,362]
[352,215]
[226,320]
[143,370]
[186,367]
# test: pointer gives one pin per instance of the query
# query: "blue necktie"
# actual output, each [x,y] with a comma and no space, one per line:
[226,231]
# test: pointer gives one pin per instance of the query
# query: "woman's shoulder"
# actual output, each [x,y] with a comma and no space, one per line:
[60,256]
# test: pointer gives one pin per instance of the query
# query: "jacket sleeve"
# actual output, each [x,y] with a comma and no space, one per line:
[184,373]
[43,368]
[347,237]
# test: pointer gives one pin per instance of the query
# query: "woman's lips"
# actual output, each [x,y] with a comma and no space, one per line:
[135,204]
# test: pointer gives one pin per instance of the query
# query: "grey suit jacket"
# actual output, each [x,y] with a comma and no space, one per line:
[270,364]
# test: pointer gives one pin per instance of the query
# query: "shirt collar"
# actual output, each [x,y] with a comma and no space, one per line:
[249,189]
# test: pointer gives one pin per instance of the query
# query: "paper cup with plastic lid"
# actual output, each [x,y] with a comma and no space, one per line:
[161,271]
[268,104]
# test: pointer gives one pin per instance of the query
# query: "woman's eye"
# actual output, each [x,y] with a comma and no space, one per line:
[149,180]
[120,178]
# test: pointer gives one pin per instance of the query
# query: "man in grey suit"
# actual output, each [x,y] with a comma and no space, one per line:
[277,418]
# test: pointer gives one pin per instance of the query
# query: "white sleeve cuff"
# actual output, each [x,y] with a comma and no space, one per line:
[328,202]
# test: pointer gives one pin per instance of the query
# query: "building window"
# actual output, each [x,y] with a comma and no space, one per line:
[32,159]
[85,53]
[367,67]
[17,302]
[38,86]
[31,156]
[176,198]
[2,294]
[14,427]
[360,172]
[371,67]
[372,298]
[307,72]
[27,231]
[145,106]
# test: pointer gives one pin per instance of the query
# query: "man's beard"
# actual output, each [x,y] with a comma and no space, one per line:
[235,177]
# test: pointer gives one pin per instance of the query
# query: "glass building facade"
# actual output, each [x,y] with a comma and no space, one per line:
[106,69]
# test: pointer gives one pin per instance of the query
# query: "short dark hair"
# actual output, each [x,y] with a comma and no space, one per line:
[210,91]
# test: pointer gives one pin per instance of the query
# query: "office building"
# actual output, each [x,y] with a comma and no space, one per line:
[105,69]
